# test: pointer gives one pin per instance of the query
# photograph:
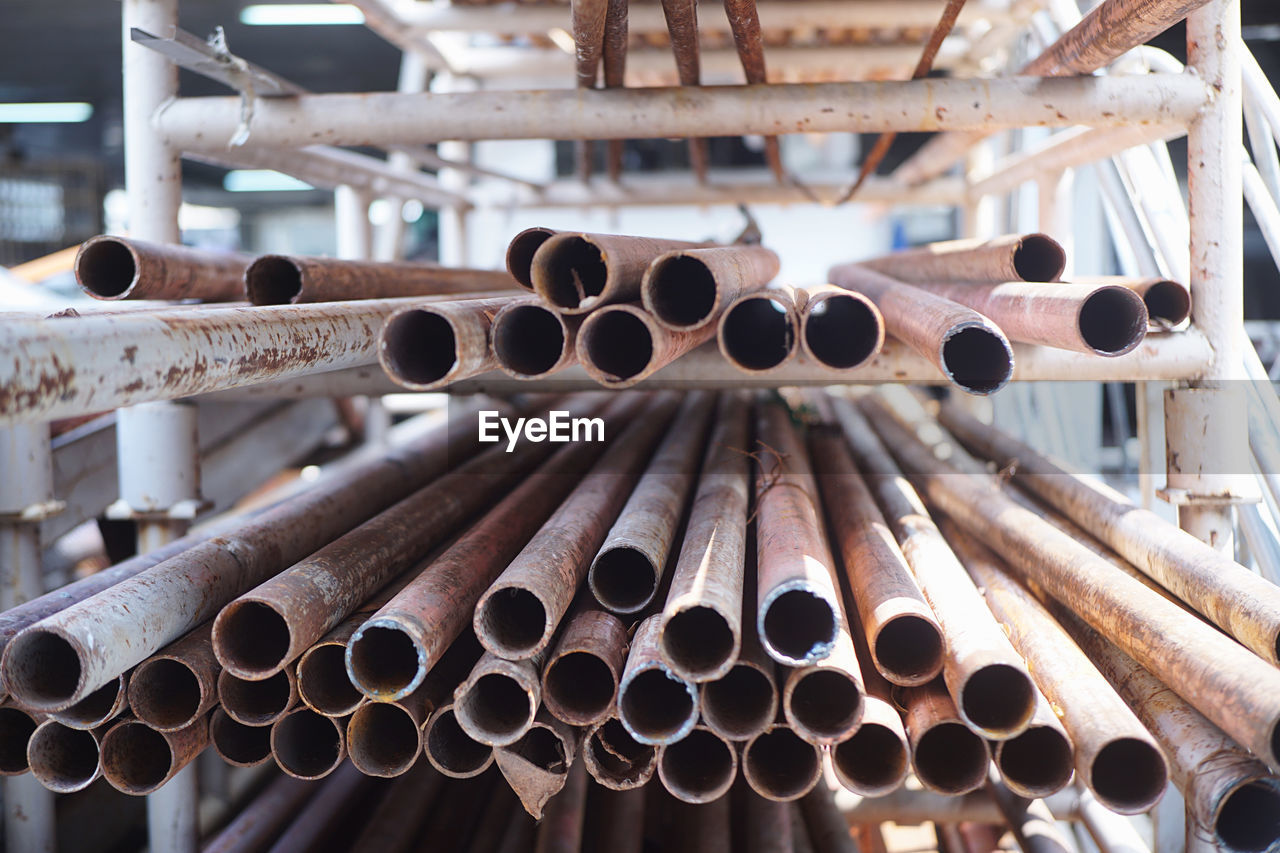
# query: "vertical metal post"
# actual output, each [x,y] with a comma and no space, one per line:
[454,239]
[26,497]
[388,242]
[353,232]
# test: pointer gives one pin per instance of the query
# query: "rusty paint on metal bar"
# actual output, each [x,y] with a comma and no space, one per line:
[947,756]
[1010,257]
[427,346]
[172,689]
[620,345]
[627,570]
[238,744]
[655,705]
[580,682]
[686,289]
[110,267]
[137,759]
[779,765]
[294,280]
[700,767]
[578,273]
[744,23]
[537,766]
[615,759]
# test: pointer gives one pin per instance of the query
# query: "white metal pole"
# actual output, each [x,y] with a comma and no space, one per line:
[388,242]
[454,239]
[352,230]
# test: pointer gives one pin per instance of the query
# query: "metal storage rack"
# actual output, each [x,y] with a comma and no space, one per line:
[1145,100]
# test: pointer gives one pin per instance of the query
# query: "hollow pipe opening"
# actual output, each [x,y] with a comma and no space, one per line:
[64,759]
[96,708]
[873,760]
[42,669]
[383,660]
[618,755]
[977,359]
[512,622]
[826,703]
[909,650]
[842,331]
[951,758]
[520,252]
[571,271]
[254,702]
[756,333]
[999,699]
[528,340]
[780,765]
[136,759]
[16,728]
[1249,816]
[697,641]
[306,744]
[798,625]
[741,703]
[419,346]
[623,579]
[165,693]
[1167,302]
[1038,761]
[618,343]
[1039,257]
[323,682]
[1113,320]
[106,268]
[497,707]
[657,707]
[451,749]
[542,748]
[383,739]
[682,291]
[580,686]
[251,638]
[1128,775]
[699,768]
[273,280]
[238,743]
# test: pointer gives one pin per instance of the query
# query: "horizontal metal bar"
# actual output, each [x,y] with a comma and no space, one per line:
[387,118]
[201,57]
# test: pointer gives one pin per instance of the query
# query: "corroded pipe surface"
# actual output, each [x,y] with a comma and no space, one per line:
[533,341]
[499,699]
[259,821]
[779,766]
[1038,762]
[258,703]
[171,690]
[701,624]
[450,749]
[308,745]
[586,17]
[1115,756]
[578,273]
[137,759]
[760,331]
[946,755]
[615,759]
[537,766]
[1011,257]
[614,61]
[698,768]
[101,706]
[967,347]
[520,252]
[580,682]
[1109,30]
[109,267]
[238,744]
[1234,598]
[63,759]
[841,329]
[874,761]
[519,613]
[903,636]
[686,289]
[1168,302]
[621,344]
[627,570]
[427,346]
[655,705]
[291,279]
[1105,320]
[798,603]
[984,674]
[823,700]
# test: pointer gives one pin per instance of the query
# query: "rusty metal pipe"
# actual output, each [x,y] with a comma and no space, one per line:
[537,766]
[109,267]
[827,827]
[520,252]
[619,345]
[261,702]
[701,625]
[171,690]
[1033,825]
[686,289]
[1224,681]
[102,705]
[760,331]
[519,613]
[621,826]
[765,823]
[263,818]
[532,341]
[798,602]
[627,570]
[615,759]
[967,347]
[586,17]
[385,738]
[779,765]
[561,828]
[840,329]
[1109,30]
[901,631]
[397,821]
[293,280]
[308,745]
[63,658]
[450,749]
[682,25]
[580,682]
[698,768]
[578,273]
[1234,598]
[1010,257]
[327,809]
[1105,320]
[499,699]
[63,759]
[1168,302]
[947,756]
[874,760]
[655,705]
[1115,756]
[823,700]
[238,744]
[137,759]
[987,679]
[425,347]
[615,67]
[16,727]
[744,23]
[1038,762]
